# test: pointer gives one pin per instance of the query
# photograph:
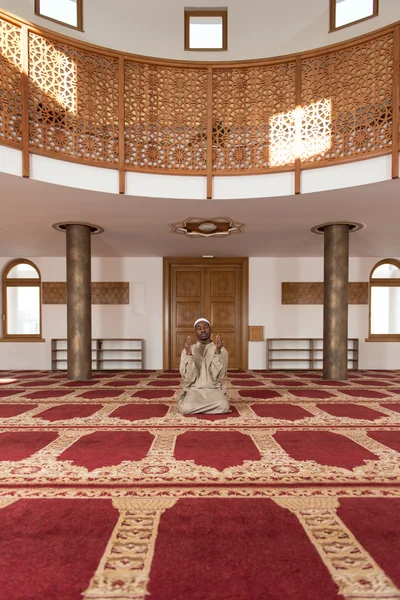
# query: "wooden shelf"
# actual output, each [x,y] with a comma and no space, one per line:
[107,353]
[304,350]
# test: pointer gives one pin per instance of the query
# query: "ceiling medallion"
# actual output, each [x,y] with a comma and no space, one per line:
[213,227]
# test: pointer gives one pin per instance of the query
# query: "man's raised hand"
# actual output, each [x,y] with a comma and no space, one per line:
[218,344]
[188,345]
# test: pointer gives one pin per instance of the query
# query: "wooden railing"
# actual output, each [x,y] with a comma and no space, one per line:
[70,100]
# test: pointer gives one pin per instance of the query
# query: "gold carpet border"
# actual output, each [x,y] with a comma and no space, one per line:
[274,466]
[363,491]
[124,569]
[246,418]
[351,567]
[73,397]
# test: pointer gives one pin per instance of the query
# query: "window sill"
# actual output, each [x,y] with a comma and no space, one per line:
[22,339]
[383,338]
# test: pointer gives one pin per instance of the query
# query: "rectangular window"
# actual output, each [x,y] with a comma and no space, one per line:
[66,12]
[385,312]
[348,12]
[23,310]
[206,30]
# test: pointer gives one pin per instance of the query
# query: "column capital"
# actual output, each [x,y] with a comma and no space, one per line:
[62,227]
[352,225]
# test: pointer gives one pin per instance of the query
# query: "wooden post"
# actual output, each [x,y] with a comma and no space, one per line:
[395,103]
[297,160]
[25,100]
[121,124]
[209,133]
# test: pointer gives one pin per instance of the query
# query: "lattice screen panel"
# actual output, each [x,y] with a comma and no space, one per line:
[165,118]
[73,102]
[245,102]
[358,83]
[10,84]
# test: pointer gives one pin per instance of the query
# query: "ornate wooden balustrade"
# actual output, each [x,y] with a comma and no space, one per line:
[70,100]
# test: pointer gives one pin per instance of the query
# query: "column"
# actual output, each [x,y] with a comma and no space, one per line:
[79,304]
[336,298]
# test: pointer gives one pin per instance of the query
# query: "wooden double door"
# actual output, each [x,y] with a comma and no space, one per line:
[216,289]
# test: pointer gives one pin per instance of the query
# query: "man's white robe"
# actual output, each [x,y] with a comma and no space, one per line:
[202,374]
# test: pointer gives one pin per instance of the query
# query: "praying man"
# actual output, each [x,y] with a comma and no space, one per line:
[203,366]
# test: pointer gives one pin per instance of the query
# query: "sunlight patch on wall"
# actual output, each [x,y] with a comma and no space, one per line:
[300,133]
[55,74]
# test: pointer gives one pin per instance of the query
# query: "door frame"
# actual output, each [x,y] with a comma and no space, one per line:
[168,262]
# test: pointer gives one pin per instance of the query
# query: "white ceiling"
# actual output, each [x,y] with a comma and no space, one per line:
[139,226]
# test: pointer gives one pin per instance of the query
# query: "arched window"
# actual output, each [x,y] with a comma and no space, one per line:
[384,301]
[22,301]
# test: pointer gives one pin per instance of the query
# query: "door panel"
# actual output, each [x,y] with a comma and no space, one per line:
[223,314]
[186,313]
[188,291]
[230,345]
[197,289]
[222,283]
[225,309]
[188,283]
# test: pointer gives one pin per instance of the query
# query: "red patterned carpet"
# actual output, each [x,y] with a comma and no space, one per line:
[106,491]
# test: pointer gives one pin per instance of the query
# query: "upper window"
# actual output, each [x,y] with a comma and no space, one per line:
[22,307]
[66,12]
[348,12]
[206,30]
[384,300]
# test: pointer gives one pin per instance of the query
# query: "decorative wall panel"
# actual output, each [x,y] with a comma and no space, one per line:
[358,82]
[73,102]
[313,293]
[10,84]
[165,117]
[244,102]
[256,333]
[103,292]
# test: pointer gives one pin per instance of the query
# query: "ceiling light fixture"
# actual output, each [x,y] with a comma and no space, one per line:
[199,227]
[207,227]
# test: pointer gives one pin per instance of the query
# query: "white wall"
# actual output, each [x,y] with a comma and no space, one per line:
[265,278]
[148,185]
[107,320]
[256,28]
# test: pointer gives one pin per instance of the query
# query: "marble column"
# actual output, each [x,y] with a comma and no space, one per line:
[79,302]
[336,299]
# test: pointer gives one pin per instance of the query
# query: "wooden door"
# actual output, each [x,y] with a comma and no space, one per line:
[216,289]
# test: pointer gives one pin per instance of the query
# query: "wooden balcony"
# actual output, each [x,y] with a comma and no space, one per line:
[65,99]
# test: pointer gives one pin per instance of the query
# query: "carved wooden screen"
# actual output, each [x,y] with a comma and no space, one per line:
[244,103]
[358,83]
[73,102]
[165,118]
[10,84]
[82,103]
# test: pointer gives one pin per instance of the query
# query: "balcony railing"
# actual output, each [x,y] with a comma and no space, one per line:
[70,100]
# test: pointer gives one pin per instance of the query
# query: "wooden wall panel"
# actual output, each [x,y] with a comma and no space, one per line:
[103,292]
[313,292]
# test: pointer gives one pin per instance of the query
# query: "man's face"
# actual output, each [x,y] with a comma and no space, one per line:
[203,332]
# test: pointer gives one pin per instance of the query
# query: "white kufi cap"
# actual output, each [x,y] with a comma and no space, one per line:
[201,319]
